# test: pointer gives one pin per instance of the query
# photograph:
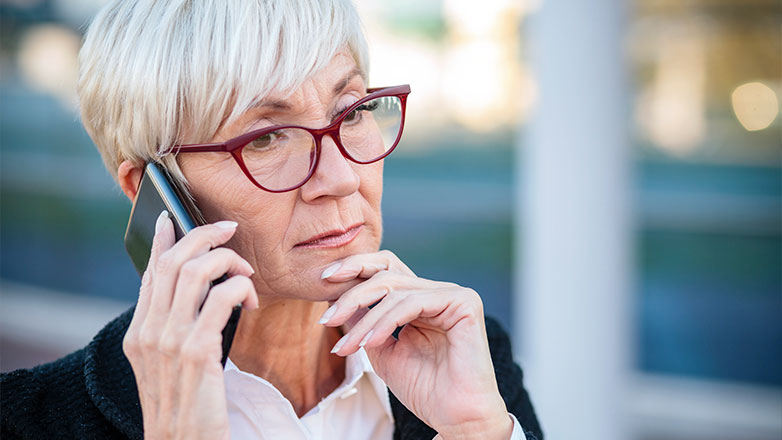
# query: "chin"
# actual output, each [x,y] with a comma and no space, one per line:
[303,279]
[315,290]
[332,291]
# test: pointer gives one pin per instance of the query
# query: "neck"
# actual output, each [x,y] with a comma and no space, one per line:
[283,343]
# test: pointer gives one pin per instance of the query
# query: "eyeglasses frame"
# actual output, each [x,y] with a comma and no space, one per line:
[235,145]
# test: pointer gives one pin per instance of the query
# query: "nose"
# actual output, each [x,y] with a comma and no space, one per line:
[335,175]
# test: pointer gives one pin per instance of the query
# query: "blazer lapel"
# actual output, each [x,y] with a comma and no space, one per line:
[110,381]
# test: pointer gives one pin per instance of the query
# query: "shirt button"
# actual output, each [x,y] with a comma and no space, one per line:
[349,393]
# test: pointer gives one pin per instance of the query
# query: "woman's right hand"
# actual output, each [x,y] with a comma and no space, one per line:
[175,349]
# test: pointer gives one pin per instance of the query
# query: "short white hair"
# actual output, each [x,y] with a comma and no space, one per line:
[154,73]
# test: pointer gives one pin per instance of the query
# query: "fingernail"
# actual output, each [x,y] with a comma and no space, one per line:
[226,224]
[339,344]
[328,314]
[159,222]
[331,270]
[366,338]
[249,266]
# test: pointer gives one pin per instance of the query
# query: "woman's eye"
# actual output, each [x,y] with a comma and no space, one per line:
[267,141]
[355,115]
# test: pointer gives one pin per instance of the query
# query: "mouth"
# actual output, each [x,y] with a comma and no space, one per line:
[332,239]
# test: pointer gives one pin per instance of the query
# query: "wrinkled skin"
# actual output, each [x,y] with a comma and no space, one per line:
[439,367]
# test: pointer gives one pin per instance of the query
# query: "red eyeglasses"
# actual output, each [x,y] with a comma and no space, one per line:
[284,157]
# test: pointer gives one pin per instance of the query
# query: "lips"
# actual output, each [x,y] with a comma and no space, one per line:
[333,238]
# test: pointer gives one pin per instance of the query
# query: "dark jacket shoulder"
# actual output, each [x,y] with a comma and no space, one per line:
[69,398]
[92,393]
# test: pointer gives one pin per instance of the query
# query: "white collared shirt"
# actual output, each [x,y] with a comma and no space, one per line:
[359,409]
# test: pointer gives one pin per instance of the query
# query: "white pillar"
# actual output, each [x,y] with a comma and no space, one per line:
[572,317]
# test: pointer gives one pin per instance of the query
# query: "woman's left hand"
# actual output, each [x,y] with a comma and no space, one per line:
[439,367]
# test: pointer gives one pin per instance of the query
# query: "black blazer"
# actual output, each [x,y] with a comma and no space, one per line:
[92,393]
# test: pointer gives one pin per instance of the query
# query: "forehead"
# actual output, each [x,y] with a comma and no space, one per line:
[331,79]
[326,83]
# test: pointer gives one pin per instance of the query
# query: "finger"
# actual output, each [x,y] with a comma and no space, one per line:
[197,242]
[161,242]
[365,266]
[163,239]
[220,302]
[370,292]
[130,340]
[413,306]
[144,294]
[361,330]
[196,275]
[361,296]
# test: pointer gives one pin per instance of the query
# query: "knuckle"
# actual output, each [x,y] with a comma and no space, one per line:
[130,344]
[473,295]
[146,279]
[245,283]
[396,294]
[230,291]
[147,340]
[166,261]
[244,289]
[168,344]
[384,275]
[191,271]
[408,302]
[230,256]
[388,254]
[473,299]
[192,352]
[228,252]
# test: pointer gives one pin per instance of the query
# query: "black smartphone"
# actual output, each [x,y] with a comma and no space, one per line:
[158,191]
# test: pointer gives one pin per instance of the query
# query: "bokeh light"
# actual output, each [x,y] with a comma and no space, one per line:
[755,105]
[670,110]
[48,59]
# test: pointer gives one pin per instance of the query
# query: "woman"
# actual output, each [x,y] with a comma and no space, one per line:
[231,96]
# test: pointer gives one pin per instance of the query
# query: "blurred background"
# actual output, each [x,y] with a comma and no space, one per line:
[606,174]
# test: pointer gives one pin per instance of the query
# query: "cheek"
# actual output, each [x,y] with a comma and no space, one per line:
[371,187]
[263,217]
[371,191]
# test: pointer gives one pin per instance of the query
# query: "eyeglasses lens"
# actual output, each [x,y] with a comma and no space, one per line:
[372,129]
[280,159]
[283,158]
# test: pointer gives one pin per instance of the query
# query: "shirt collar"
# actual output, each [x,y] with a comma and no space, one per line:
[360,361]
[356,366]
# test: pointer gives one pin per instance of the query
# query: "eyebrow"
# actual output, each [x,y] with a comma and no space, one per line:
[338,88]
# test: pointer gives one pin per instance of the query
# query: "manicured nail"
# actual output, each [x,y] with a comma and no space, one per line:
[366,338]
[331,270]
[339,344]
[160,219]
[328,314]
[226,224]
[249,266]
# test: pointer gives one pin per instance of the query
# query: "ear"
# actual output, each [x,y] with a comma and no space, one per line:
[129,177]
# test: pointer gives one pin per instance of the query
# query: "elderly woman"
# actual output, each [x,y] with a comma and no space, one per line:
[261,108]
